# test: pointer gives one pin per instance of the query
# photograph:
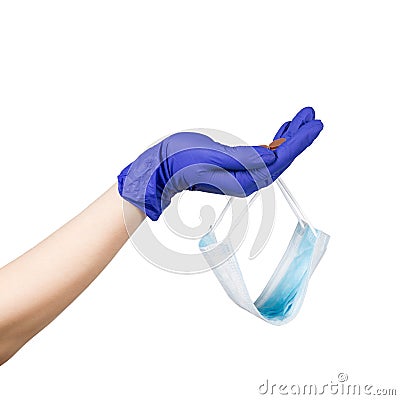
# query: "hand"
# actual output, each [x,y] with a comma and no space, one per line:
[192,161]
[299,134]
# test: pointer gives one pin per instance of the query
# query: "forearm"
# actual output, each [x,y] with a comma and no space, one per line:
[41,283]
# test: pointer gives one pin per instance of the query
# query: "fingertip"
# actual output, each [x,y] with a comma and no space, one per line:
[308,112]
[315,125]
[304,116]
[310,131]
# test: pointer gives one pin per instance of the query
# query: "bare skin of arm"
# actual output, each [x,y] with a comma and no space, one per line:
[37,286]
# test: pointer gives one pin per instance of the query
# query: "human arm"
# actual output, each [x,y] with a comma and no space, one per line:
[41,283]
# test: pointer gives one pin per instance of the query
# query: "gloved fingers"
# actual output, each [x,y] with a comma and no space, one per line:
[307,134]
[282,130]
[241,158]
[295,145]
[305,115]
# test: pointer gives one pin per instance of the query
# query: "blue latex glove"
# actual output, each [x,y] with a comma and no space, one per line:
[193,161]
[299,134]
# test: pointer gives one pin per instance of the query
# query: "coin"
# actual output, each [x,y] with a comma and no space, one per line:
[275,144]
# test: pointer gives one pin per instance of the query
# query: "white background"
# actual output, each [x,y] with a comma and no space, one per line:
[86,86]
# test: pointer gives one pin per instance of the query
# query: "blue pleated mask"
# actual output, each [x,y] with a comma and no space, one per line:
[282,297]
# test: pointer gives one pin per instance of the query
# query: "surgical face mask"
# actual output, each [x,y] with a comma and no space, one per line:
[282,297]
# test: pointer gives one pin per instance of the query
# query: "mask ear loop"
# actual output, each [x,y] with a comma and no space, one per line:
[298,212]
[226,208]
[294,205]
[221,216]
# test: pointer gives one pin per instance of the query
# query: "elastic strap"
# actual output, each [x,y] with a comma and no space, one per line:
[294,205]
